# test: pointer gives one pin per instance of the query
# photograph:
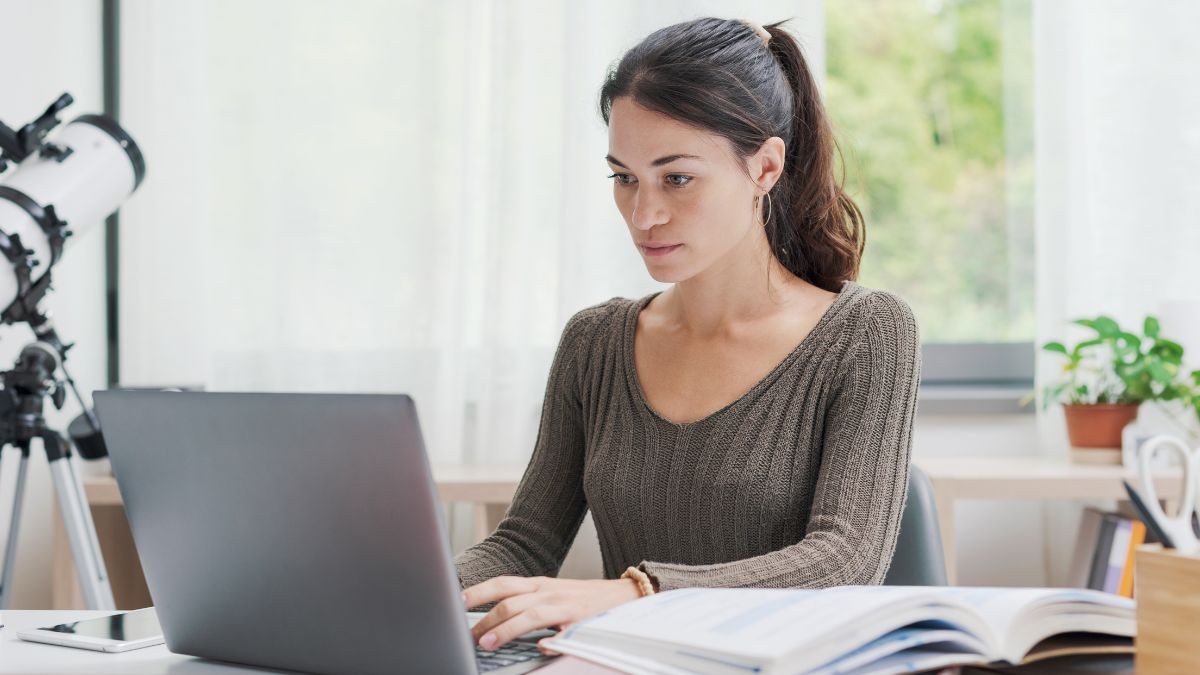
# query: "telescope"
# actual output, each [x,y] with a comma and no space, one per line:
[59,186]
[59,189]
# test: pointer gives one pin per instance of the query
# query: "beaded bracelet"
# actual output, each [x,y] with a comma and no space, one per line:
[643,581]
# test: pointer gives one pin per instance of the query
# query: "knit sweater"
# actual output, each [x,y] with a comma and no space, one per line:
[800,482]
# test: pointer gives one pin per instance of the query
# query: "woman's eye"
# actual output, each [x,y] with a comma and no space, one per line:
[626,179]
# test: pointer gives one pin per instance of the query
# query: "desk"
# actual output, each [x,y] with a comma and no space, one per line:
[31,658]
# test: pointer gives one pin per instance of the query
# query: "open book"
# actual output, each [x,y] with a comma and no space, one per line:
[849,629]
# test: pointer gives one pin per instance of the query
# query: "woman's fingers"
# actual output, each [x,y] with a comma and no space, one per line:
[532,618]
[503,611]
[498,588]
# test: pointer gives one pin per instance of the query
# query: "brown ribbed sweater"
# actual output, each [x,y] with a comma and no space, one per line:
[798,483]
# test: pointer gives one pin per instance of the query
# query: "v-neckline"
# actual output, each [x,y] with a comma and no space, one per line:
[635,382]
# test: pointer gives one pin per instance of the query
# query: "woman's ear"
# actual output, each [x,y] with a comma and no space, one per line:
[766,167]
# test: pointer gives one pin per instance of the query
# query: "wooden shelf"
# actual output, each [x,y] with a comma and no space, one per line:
[1032,477]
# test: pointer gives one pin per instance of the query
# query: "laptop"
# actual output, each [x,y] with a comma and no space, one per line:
[294,531]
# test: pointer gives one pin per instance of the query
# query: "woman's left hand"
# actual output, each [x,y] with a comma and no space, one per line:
[525,604]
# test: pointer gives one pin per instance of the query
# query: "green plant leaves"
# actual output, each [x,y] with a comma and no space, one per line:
[1086,344]
[1055,347]
[1168,351]
[1161,373]
[1119,366]
[1104,325]
[1126,346]
[1150,327]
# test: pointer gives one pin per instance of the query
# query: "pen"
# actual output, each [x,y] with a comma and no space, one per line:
[1152,523]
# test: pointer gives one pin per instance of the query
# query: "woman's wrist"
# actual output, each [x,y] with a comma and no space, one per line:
[629,589]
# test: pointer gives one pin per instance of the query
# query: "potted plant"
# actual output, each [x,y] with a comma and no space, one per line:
[1107,377]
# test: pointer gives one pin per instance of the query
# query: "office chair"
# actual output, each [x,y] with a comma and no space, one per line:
[918,560]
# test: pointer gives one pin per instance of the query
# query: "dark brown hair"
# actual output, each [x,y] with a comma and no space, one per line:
[718,76]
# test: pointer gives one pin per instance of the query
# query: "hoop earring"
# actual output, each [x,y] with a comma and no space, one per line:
[769,208]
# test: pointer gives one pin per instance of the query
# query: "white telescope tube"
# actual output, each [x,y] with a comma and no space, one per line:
[101,168]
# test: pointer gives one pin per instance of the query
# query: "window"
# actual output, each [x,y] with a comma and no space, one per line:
[931,104]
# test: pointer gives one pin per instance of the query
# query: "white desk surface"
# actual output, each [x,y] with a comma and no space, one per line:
[31,658]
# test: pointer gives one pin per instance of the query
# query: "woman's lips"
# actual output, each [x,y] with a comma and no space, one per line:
[658,250]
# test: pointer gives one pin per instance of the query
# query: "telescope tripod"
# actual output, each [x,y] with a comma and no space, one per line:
[22,421]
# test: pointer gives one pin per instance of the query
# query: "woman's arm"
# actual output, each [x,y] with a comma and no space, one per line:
[549,505]
[863,475]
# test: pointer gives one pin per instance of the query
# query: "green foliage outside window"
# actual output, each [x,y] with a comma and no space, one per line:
[933,121]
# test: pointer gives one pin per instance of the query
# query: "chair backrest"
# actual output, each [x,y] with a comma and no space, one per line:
[918,560]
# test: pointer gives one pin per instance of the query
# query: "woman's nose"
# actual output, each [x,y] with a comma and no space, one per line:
[648,211]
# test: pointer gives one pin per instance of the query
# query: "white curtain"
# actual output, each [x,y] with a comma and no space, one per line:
[1117,189]
[379,197]
[1118,170]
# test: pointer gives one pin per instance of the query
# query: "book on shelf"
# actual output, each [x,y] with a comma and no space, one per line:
[1078,574]
[849,629]
[1120,562]
[1103,557]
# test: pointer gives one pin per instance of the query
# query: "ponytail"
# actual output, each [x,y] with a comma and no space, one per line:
[820,234]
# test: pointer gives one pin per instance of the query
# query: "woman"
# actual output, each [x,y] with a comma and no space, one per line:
[749,426]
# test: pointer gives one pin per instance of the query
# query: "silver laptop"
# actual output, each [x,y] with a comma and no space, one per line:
[296,531]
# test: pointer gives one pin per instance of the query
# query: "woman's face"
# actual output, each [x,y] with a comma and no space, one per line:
[685,195]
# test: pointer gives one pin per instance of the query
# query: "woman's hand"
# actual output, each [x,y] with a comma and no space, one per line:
[525,604]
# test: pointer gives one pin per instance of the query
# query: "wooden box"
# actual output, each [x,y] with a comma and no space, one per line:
[1167,589]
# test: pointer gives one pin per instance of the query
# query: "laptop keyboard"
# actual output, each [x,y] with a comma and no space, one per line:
[513,652]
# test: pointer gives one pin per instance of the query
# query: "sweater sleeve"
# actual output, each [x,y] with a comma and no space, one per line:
[549,505]
[862,481]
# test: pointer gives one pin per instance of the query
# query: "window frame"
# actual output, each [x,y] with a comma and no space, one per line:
[976,377]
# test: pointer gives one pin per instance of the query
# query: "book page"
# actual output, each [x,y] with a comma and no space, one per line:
[911,642]
[756,626]
[1026,616]
[719,630]
[920,661]
[1079,643]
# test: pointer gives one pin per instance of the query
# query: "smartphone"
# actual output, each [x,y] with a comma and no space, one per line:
[116,633]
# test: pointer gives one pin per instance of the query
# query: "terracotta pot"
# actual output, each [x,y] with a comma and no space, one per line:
[1098,425]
